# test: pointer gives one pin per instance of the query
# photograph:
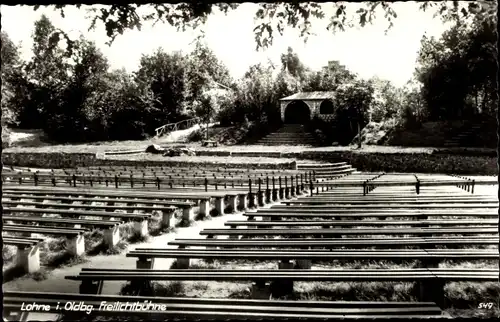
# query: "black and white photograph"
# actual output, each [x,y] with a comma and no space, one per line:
[236,161]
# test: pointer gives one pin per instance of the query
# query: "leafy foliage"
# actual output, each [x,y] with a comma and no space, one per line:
[10,64]
[458,71]
[68,90]
[271,17]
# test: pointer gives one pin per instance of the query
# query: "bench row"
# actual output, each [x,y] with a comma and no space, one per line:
[281,282]
[166,308]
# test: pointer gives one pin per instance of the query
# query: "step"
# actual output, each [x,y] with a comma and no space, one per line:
[291,144]
[319,165]
[287,141]
[328,169]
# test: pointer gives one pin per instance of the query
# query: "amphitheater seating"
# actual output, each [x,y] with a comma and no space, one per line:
[217,309]
[344,212]
[431,281]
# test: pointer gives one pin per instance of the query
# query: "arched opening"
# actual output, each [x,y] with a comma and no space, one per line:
[326,107]
[297,112]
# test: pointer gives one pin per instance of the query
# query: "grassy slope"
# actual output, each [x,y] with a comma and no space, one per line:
[433,134]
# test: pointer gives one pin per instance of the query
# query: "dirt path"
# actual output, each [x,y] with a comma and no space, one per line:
[57,283]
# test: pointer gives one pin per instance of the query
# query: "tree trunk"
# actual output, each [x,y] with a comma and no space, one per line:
[485,98]
[359,135]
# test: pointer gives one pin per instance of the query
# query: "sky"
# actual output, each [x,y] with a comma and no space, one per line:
[366,51]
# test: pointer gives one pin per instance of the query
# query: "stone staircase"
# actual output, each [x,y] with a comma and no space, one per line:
[289,134]
[326,171]
[465,138]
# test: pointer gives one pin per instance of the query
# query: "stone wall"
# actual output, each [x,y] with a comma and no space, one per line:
[389,162]
[68,160]
[49,159]
[410,162]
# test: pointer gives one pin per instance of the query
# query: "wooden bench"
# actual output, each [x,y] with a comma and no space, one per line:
[388,201]
[325,213]
[280,282]
[217,309]
[203,197]
[359,223]
[332,243]
[332,205]
[429,257]
[76,243]
[28,252]
[330,215]
[144,201]
[76,209]
[337,232]
[67,221]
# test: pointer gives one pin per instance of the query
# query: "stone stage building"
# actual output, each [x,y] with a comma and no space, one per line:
[302,107]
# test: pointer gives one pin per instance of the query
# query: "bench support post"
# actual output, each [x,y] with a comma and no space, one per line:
[303,264]
[260,198]
[29,258]
[91,287]
[168,220]
[275,194]
[432,290]
[183,263]
[112,236]
[251,200]
[261,290]
[145,263]
[219,205]
[243,201]
[283,287]
[141,228]
[204,207]
[188,214]
[76,245]
[281,193]
[268,196]
[233,203]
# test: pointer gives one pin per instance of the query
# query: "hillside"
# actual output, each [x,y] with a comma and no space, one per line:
[23,138]
[480,134]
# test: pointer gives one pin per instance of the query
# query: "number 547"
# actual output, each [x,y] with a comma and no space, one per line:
[485,305]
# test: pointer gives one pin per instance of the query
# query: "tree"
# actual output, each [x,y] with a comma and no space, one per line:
[80,112]
[164,75]
[290,62]
[205,75]
[10,68]
[256,96]
[458,70]
[387,100]
[271,17]
[45,75]
[355,100]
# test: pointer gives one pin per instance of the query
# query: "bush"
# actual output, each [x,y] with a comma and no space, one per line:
[413,162]
[196,135]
